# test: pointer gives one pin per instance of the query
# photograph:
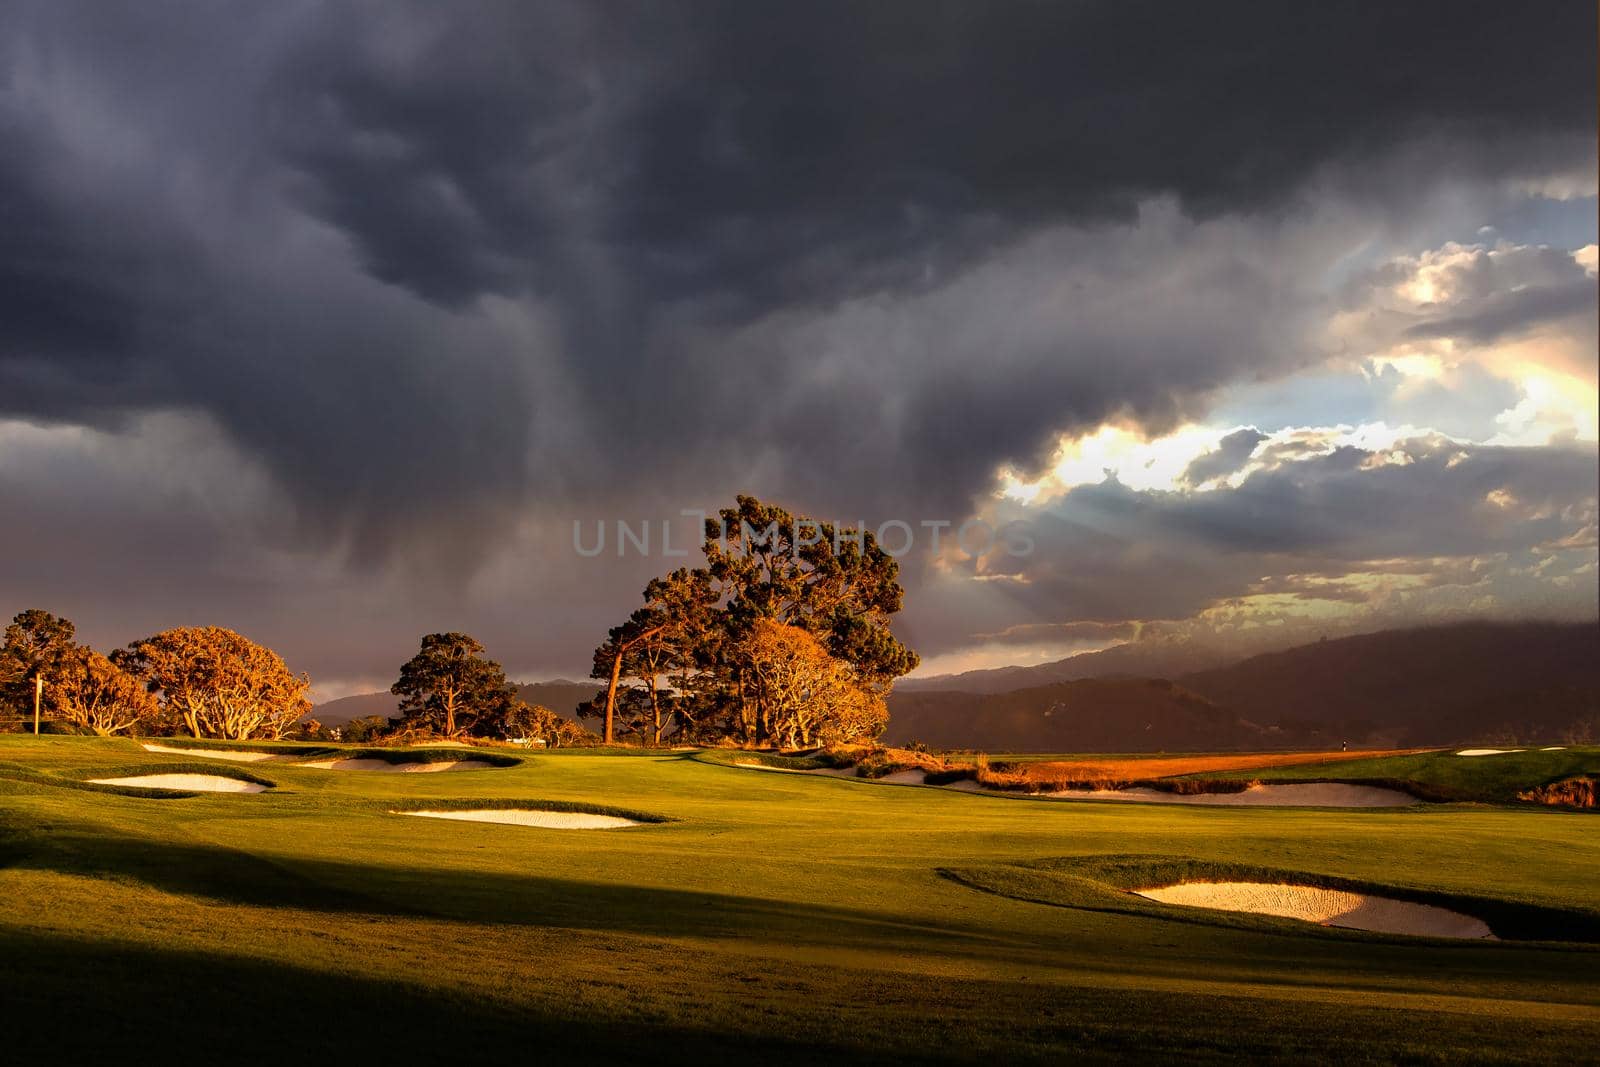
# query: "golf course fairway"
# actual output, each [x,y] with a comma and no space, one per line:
[783,917]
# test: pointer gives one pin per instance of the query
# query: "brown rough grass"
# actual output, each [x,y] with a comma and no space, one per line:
[1570,793]
[1110,773]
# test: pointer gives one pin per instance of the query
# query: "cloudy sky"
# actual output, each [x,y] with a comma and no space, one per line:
[326,322]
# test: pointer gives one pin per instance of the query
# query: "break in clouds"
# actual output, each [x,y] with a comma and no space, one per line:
[326,321]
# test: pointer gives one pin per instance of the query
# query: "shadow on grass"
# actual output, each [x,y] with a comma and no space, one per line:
[72,1001]
[237,877]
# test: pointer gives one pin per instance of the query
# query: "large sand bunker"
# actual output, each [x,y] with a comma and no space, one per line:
[1305,794]
[1487,751]
[1328,907]
[215,753]
[197,783]
[413,767]
[549,820]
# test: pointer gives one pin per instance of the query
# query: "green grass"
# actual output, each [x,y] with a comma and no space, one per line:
[786,918]
[1442,775]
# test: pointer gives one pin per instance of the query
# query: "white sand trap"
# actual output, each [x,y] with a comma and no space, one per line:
[1554,748]
[199,783]
[1305,795]
[549,820]
[384,766]
[214,753]
[1487,751]
[1328,907]
[826,772]
[908,777]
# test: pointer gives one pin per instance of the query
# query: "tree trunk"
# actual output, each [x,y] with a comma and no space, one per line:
[655,712]
[611,695]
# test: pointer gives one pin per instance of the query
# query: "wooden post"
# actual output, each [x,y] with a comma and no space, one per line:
[38,692]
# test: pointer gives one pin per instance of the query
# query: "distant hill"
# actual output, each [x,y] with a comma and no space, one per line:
[1088,715]
[1137,659]
[1426,686]
[560,696]
[338,712]
[1434,685]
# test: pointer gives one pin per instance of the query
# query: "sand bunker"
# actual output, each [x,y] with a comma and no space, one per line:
[199,783]
[826,772]
[1307,795]
[1487,751]
[416,767]
[1554,748]
[214,753]
[549,820]
[1327,907]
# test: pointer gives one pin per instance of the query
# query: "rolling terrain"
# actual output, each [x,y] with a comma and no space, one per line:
[774,917]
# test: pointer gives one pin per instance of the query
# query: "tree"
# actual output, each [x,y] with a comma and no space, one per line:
[451,687]
[219,683]
[659,638]
[91,691]
[364,730]
[537,722]
[801,695]
[34,646]
[835,582]
[762,564]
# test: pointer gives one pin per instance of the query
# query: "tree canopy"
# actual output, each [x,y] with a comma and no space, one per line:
[700,659]
[219,683]
[35,645]
[92,692]
[452,688]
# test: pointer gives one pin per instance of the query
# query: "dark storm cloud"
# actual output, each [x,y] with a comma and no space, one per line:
[435,269]
[617,162]
[1231,453]
[769,153]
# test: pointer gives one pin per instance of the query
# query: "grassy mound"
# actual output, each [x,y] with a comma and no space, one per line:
[59,779]
[1104,883]
[1444,776]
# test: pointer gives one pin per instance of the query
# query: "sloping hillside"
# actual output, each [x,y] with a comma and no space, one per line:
[1090,715]
[1437,685]
[1140,659]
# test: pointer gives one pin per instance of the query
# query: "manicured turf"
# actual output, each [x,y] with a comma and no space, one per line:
[780,917]
[1445,775]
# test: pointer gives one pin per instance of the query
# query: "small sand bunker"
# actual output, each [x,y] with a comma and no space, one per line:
[1327,907]
[826,772]
[549,820]
[198,783]
[415,767]
[1305,795]
[909,777]
[1554,748]
[214,753]
[1487,751]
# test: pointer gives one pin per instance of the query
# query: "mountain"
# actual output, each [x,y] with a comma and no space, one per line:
[1088,715]
[560,696]
[338,712]
[1137,659]
[1424,686]
[1442,685]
